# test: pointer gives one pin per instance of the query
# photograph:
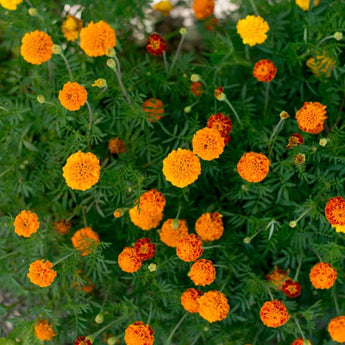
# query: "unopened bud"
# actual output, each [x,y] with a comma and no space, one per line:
[323,142]
[40,99]
[284,115]
[91,338]
[110,52]
[99,318]
[187,109]
[175,224]
[183,31]
[112,341]
[152,267]
[111,63]
[57,49]
[338,36]
[195,78]
[118,213]
[206,329]
[246,240]
[307,342]
[292,224]
[100,83]
[32,12]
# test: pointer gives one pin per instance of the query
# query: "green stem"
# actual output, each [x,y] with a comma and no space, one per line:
[233,110]
[63,258]
[90,114]
[175,329]
[177,52]
[266,98]
[67,66]
[7,255]
[299,328]
[254,7]
[122,86]
[337,310]
[50,71]
[150,314]
[165,62]
[210,247]
[298,268]
[270,293]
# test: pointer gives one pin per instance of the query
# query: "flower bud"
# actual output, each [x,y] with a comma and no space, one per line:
[40,99]
[57,49]
[246,240]
[284,115]
[32,12]
[152,267]
[100,83]
[292,224]
[183,31]
[91,338]
[111,63]
[175,224]
[99,318]
[323,142]
[338,36]
[187,109]
[119,212]
[110,52]
[300,158]
[112,341]
[219,94]
[195,78]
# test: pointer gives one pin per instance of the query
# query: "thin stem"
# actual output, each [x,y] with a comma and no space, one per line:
[118,65]
[270,293]
[302,215]
[298,268]
[90,114]
[318,255]
[122,87]
[254,7]
[178,211]
[210,247]
[233,110]
[337,310]
[105,297]
[177,52]
[276,129]
[50,71]
[84,217]
[4,109]
[165,62]
[67,66]
[63,258]
[94,335]
[7,255]
[175,329]
[299,328]
[195,340]
[266,97]
[325,39]
[150,314]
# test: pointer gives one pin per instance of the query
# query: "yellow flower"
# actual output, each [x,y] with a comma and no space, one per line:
[71,27]
[252,30]
[10,4]
[163,7]
[304,4]
[322,65]
[100,83]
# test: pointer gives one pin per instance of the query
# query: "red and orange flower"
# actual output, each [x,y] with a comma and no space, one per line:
[156,45]
[222,123]
[145,248]
[292,288]
[295,140]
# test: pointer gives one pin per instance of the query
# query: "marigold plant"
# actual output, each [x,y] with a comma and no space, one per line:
[305,4]
[154,108]
[189,247]
[145,249]
[301,341]
[71,27]
[335,210]
[41,273]
[264,70]
[336,329]
[311,117]
[172,230]
[85,240]
[295,140]
[274,314]
[202,272]
[209,226]
[323,276]
[116,146]
[213,306]
[156,45]
[190,300]
[222,123]
[253,167]
[252,30]
[139,334]
[129,260]
[26,223]
[196,88]
[82,340]
[44,330]
[321,65]
[291,288]
[62,226]
[152,203]
[203,8]
[278,277]
[72,96]
[144,221]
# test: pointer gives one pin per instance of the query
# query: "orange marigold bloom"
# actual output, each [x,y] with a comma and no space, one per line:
[213,306]
[264,70]
[196,88]
[145,249]
[209,226]
[172,231]
[301,341]
[208,144]
[335,211]
[274,314]
[26,223]
[278,277]
[144,221]
[311,116]
[322,65]
[97,38]
[295,140]
[202,272]
[82,341]
[203,8]
[211,23]
[81,170]
[304,4]
[336,329]
[139,334]
[41,273]
[116,146]
[292,288]
[72,96]
[222,124]
[71,27]
[189,247]
[44,330]
[10,4]
[129,260]
[181,167]
[323,276]
[62,226]
[156,45]
[189,300]
[85,240]
[151,203]
[154,109]
[252,30]
[37,47]
[253,167]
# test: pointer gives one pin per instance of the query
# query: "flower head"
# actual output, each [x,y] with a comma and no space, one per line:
[335,210]
[119,212]
[82,341]
[156,45]
[62,226]
[253,167]
[209,226]
[189,247]
[203,8]
[97,38]
[72,96]
[181,167]
[252,30]
[81,170]
[139,334]
[154,109]
[323,276]
[321,65]
[299,158]
[145,249]
[311,116]
[202,272]
[189,300]
[144,221]
[264,70]
[336,329]
[26,223]
[222,123]
[301,341]
[278,277]
[129,260]
[44,330]
[208,144]
[116,146]
[71,27]
[196,88]
[37,47]
[213,306]
[152,203]
[85,240]
[41,273]
[219,94]
[274,314]
[163,7]
[10,4]
[305,4]
[100,83]
[292,288]
[295,140]
[169,234]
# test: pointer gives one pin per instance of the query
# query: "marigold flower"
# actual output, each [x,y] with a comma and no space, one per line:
[213,306]
[189,247]
[336,329]
[37,47]
[81,170]
[189,300]
[163,7]
[323,276]
[144,221]
[335,211]
[44,330]
[202,272]
[219,93]
[72,96]
[299,158]
[71,27]
[264,70]
[211,23]
[100,83]
[82,341]
[85,240]
[119,212]
[10,4]
[62,226]
[222,123]
[41,273]
[321,65]
[181,167]
[203,8]
[129,260]
[26,223]
[252,30]
[156,45]
[295,140]
[154,109]
[196,88]
[97,38]
[274,314]
[116,146]
[208,144]
[339,228]
[301,341]
[152,203]
[209,226]
[169,234]
[278,277]
[311,116]
[139,334]
[253,167]
[304,4]
[145,249]
[87,287]
[291,288]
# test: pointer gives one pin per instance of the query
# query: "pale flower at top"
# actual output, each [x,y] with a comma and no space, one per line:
[10,4]
[252,30]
